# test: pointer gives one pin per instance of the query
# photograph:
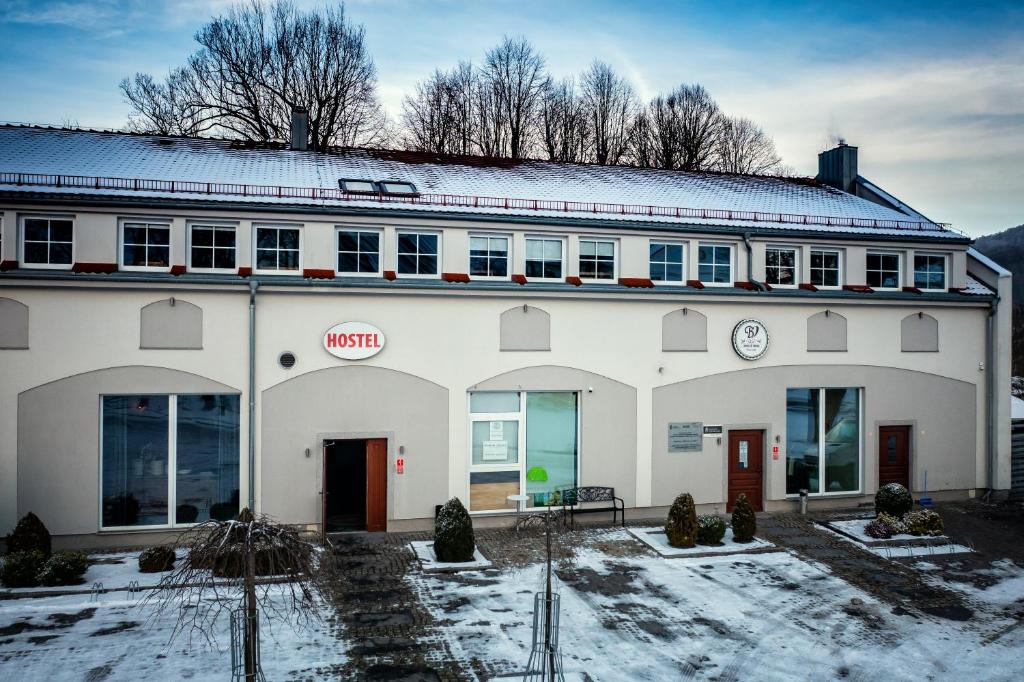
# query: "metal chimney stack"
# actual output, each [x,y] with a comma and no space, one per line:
[300,129]
[838,167]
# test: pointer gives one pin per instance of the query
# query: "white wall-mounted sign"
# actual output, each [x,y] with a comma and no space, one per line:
[685,437]
[750,339]
[353,340]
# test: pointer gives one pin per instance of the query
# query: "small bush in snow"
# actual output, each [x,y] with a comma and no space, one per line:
[453,533]
[64,568]
[893,499]
[29,535]
[884,526]
[681,525]
[923,522]
[21,569]
[744,522]
[156,560]
[710,529]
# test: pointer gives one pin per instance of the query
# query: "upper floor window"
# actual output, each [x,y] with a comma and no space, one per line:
[48,242]
[359,251]
[929,271]
[826,268]
[714,263]
[883,270]
[212,247]
[488,256]
[544,257]
[278,248]
[145,245]
[597,259]
[666,262]
[418,253]
[780,266]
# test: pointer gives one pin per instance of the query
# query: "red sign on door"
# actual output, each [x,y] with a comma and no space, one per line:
[775,452]
[400,465]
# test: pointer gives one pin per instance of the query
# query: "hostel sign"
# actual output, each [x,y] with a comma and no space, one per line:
[353,340]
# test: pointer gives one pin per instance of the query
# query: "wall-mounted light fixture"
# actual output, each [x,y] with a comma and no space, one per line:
[308,453]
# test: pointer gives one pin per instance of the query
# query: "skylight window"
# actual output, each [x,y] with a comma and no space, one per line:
[366,186]
[392,187]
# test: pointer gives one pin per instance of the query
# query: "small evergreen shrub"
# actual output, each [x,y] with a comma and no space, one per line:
[156,559]
[453,533]
[29,535]
[64,568]
[744,522]
[893,499]
[681,525]
[21,569]
[923,522]
[884,526]
[710,529]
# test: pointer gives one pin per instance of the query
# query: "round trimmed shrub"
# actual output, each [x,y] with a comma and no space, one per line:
[21,569]
[744,521]
[453,533]
[710,529]
[923,522]
[681,525]
[893,499]
[64,568]
[156,559]
[29,535]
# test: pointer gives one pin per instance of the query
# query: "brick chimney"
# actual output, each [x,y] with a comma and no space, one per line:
[838,167]
[300,128]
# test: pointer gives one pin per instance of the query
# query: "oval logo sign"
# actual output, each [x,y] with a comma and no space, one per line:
[353,340]
[750,339]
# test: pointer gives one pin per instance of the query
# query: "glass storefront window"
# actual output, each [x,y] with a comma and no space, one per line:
[493,402]
[146,437]
[822,440]
[551,444]
[496,442]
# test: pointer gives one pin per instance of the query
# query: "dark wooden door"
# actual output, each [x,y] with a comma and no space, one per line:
[377,484]
[746,468]
[894,455]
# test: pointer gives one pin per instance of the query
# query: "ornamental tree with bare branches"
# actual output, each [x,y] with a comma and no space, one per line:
[610,108]
[255,63]
[679,131]
[563,122]
[743,147]
[440,116]
[512,86]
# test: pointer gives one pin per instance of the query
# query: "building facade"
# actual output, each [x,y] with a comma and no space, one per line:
[348,339]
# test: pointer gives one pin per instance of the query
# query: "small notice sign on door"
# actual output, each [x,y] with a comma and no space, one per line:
[744,454]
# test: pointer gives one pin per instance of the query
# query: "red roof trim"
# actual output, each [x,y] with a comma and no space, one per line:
[695,283]
[859,288]
[807,286]
[911,290]
[390,275]
[636,282]
[318,273]
[519,279]
[94,268]
[575,281]
[178,270]
[8,265]
[244,272]
[458,277]
[749,286]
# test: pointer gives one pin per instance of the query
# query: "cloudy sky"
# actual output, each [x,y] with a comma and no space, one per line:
[931,92]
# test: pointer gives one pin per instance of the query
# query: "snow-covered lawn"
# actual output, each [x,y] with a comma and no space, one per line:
[769,616]
[73,638]
[115,571]
[656,539]
[424,551]
[855,529]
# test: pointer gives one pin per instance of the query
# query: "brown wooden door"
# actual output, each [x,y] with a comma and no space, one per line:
[377,484]
[746,468]
[894,455]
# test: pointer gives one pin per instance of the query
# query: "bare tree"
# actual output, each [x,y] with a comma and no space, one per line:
[610,108]
[563,122]
[512,84]
[439,117]
[256,63]
[743,147]
[679,131]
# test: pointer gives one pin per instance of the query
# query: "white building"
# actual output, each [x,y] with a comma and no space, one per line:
[169,314]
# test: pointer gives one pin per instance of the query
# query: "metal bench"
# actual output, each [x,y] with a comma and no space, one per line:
[573,498]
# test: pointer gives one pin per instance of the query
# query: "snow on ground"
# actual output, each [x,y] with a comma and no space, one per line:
[770,616]
[999,585]
[895,551]
[855,528]
[71,637]
[656,539]
[114,570]
[424,551]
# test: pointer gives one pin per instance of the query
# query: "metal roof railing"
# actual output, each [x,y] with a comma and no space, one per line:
[84,182]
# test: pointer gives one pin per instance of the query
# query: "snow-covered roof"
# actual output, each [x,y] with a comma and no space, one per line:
[1016,407]
[120,164]
[975,288]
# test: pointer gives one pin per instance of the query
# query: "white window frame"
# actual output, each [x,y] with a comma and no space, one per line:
[147,222]
[615,258]
[217,226]
[276,226]
[440,253]
[840,258]
[899,268]
[821,443]
[685,264]
[519,417]
[546,238]
[172,463]
[732,264]
[945,269]
[46,266]
[508,255]
[797,255]
[338,229]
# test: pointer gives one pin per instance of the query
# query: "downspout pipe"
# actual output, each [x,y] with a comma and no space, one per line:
[750,264]
[253,286]
[992,435]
